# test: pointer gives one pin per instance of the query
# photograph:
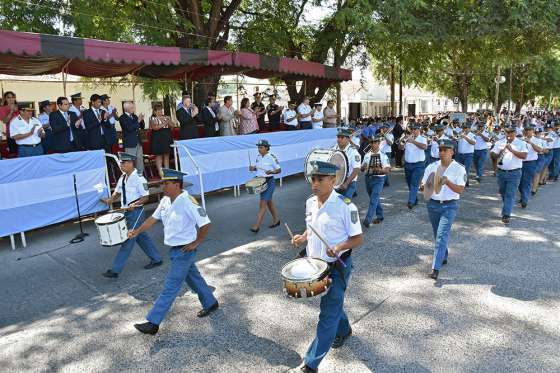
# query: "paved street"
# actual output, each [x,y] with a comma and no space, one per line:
[495,308]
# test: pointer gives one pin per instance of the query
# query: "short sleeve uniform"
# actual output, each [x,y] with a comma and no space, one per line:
[455,173]
[135,185]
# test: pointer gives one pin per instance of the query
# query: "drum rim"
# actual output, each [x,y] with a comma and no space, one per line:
[253,180]
[110,222]
[320,275]
[330,152]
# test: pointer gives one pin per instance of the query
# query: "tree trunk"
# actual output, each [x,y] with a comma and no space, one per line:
[392,84]
[400,91]
[203,87]
[463,92]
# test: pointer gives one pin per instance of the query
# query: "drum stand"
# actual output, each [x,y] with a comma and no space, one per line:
[82,235]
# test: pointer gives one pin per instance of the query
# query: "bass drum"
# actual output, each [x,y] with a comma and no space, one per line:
[336,157]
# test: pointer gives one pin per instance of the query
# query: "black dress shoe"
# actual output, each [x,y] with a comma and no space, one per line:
[377,221]
[254,230]
[533,193]
[478,179]
[409,205]
[147,328]
[434,274]
[110,274]
[365,223]
[153,264]
[208,311]
[505,219]
[523,205]
[339,340]
[444,262]
[306,369]
[275,224]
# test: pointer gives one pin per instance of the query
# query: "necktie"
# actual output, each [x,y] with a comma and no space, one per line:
[67,118]
[99,119]
[123,192]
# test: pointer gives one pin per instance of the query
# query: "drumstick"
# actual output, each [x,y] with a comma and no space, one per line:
[306,258]
[327,245]
[138,218]
[249,155]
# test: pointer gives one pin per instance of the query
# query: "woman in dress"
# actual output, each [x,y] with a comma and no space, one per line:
[248,118]
[8,111]
[161,125]
[226,117]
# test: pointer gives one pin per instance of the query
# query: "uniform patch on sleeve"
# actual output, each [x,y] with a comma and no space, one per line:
[358,158]
[145,185]
[201,212]
[465,178]
[354,216]
[274,157]
[193,200]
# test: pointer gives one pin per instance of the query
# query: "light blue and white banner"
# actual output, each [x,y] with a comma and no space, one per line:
[39,191]
[224,161]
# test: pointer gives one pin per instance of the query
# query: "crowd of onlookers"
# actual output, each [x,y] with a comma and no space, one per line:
[67,125]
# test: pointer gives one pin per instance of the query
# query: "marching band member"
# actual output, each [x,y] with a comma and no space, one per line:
[414,158]
[529,168]
[482,138]
[132,187]
[181,216]
[443,204]
[434,146]
[554,166]
[548,138]
[467,141]
[386,146]
[376,167]
[343,143]
[336,217]
[510,154]
[428,133]
[540,141]
[266,165]
[498,135]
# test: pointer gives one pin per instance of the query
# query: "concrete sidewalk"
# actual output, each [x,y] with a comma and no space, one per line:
[496,307]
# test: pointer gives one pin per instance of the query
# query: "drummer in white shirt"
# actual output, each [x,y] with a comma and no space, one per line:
[336,219]
[27,131]
[266,165]
[510,154]
[317,117]
[443,204]
[529,168]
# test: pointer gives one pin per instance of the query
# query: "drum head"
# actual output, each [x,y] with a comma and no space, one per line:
[339,158]
[109,218]
[304,269]
[256,181]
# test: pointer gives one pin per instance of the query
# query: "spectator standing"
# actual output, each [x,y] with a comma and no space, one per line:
[186,113]
[8,111]
[330,116]
[274,113]
[81,139]
[209,119]
[132,126]
[290,117]
[317,117]
[97,125]
[65,127]
[258,107]
[162,139]
[113,117]
[45,110]
[226,118]
[304,115]
[27,132]
[248,119]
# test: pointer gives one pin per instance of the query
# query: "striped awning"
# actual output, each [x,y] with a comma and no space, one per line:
[24,53]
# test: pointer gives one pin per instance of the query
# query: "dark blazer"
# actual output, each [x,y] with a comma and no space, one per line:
[209,122]
[131,130]
[61,132]
[96,140]
[188,125]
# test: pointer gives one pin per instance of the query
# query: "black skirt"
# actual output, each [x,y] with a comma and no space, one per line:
[161,141]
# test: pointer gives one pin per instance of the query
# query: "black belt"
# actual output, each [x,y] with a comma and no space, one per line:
[30,146]
[415,162]
[516,169]
[444,202]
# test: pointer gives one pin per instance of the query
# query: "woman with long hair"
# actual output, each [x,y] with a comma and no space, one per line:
[161,125]
[8,111]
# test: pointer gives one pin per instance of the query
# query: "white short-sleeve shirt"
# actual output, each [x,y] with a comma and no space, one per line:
[18,126]
[384,146]
[480,143]
[180,219]
[464,146]
[354,158]
[135,185]
[455,173]
[412,153]
[509,160]
[532,154]
[556,143]
[267,162]
[304,109]
[549,136]
[318,115]
[336,221]
[383,158]
[289,113]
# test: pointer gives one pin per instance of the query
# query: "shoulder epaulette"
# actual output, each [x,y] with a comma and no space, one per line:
[193,200]
[345,199]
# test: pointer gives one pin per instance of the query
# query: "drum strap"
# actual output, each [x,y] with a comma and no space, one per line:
[123,191]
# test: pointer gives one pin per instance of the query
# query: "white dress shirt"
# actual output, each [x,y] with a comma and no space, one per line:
[318,115]
[510,161]
[135,186]
[480,143]
[455,173]
[180,219]
[267,162]
[18,126]
[304,109]
[464,146]
[412,153]
[289,113]
[384,146]
[382,156]
[532,154]
[434,148]
[336,221]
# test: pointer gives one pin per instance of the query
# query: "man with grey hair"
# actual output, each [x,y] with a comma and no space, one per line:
[132,126]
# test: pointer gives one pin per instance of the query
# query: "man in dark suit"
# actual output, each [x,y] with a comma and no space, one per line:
[97,126]
[132,126]
[66,128]
[209,119]
[186,114]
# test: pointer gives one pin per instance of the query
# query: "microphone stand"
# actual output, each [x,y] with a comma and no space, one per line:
[82,235]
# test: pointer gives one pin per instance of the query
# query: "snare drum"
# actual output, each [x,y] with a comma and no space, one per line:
[305,277]
[336,157]
[256,185]
[112,229]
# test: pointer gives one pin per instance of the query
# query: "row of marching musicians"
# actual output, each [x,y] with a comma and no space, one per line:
[333,228]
